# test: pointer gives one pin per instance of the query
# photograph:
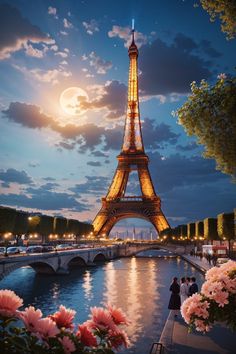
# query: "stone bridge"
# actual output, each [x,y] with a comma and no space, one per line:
[60,262]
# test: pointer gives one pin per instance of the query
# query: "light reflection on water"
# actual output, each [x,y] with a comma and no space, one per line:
[139,285]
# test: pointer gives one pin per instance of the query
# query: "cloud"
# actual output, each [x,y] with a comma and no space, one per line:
[91,27]
[124,33]
[89,136]
[46,76]
[17,31]
[52,11]
[98,154]
[44,200]
[209,50]
[64,33]
[188,147]
[34,52]
[94,163]
[33,164]
[49,179]
[15,176]
[170,68]
[61,54]
[184,43]
[155,135]
[112,96]
[101,66]
[197,202]
[178,170]
[94,185]
[66,145]
[27,115]
[67,24]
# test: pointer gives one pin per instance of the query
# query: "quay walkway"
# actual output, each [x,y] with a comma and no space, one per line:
[176,339]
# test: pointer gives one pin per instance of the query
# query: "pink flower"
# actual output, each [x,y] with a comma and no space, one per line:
[221,76]
[9,303]
[86,336]
[64,317]
[221,297]
[117,315]
[101,319]
[67,344]
[201,326]
[195,306]
[118,338]
[31,318]
[47,328]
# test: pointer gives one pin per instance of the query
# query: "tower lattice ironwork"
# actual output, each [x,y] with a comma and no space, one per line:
[116,205]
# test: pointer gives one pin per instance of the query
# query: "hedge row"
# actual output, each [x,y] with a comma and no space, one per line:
[19,222]
[221,228]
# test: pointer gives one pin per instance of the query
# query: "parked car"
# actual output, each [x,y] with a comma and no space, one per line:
[34,249]
[48,248]
[2,250]
[13,250]
[63,246]
[221,260]
[22,249]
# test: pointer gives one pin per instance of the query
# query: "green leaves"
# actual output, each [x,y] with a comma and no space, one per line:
[225,10]
[210,115]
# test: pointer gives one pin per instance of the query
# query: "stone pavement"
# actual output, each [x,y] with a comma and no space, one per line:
[177,340]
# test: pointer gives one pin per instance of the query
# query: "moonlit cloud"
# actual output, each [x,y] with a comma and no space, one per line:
[16,32]
[67,24]
[34,52]
[163,71]
[15,176]
[91,27]
[45,76]
[101,66]
[111,96]
[124,33]
[52,11]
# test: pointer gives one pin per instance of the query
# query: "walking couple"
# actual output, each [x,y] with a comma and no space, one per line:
[179,293]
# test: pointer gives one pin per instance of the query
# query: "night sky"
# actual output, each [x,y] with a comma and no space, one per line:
[58,153]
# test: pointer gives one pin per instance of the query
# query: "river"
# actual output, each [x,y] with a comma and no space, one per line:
[139,285]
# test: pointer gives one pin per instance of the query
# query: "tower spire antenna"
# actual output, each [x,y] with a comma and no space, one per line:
[133,29]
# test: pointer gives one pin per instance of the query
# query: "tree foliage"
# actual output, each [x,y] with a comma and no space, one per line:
[225,226]
[210,115]
[225,10]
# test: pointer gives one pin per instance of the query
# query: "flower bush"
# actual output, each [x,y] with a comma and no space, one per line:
[27,331]
[216,301]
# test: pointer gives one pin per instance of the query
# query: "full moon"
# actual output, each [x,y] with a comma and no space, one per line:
[72,99]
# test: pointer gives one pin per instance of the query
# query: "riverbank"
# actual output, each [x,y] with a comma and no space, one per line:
[176,339]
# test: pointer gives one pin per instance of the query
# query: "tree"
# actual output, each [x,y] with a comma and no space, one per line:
[225,10]
[210,115]
[210,229]
[7,219]
[225,227]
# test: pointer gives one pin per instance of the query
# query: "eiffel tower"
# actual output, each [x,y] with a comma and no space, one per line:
[116,205]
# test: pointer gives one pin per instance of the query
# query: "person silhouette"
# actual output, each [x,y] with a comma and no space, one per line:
[193,287]
[184,290]
[174,303]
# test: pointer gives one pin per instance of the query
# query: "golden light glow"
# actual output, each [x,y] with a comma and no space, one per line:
[72,100]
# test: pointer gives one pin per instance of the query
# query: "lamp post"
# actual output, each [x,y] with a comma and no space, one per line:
[6,242]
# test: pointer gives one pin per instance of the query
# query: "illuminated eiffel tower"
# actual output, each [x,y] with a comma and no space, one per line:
[116,205]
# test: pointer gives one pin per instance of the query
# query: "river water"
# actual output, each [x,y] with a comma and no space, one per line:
[139,285]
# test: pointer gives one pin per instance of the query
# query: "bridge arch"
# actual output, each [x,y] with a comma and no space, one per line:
[76,261]
[100,257]
[42,267]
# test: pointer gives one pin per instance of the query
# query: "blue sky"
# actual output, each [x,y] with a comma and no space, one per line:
[62,164]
